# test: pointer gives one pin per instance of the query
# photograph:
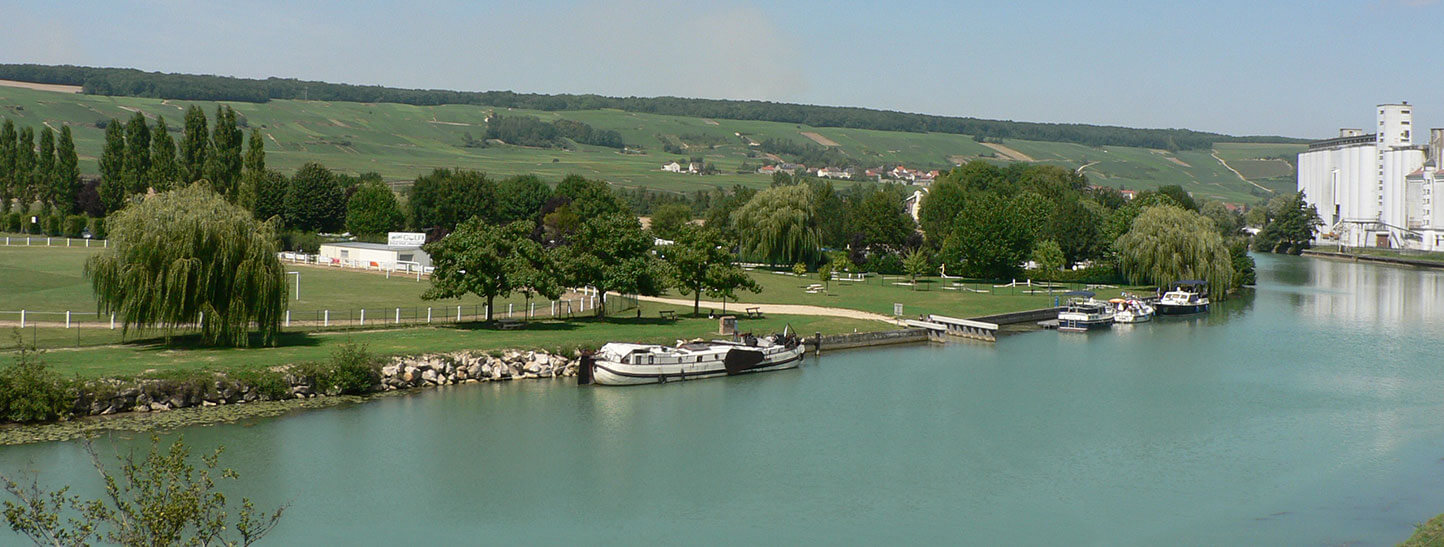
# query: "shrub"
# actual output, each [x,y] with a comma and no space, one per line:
[97,228]
[32,224]
[74,225]
[352,370]
[269,384]
[306,242]
[12,222]
[30,391]
[54,225]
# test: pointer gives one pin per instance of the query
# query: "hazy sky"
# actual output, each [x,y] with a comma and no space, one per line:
[1299,68]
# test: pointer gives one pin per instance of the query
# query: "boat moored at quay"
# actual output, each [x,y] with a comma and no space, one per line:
[1083,313]
[1184,297]
[619,364]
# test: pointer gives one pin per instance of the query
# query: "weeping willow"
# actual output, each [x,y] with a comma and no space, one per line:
[188,257]
[779,226]
[1167,244]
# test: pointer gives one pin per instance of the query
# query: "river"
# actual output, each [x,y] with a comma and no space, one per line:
[1308,411]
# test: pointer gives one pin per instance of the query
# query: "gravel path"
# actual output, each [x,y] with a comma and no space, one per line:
[784,309]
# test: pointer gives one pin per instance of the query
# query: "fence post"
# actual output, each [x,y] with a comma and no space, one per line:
[326,319]
[458,313]
[112,320]
[428,314]
[202,323]
[398,316]
[531,313]
[22,319]
[67,319]
[363,317]
[288,319]
[508,310]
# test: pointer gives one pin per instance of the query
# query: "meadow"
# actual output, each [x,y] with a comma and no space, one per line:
[402,141]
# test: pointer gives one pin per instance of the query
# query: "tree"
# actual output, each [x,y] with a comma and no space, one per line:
[188,257]
[1168,244]
[535,269]
[477,258]
[882,221]
[1049,257]
[590,198]
[223,164]
[782,178]
[164,167]
[521,198]
[25,168]
[940,206]
[916,264]
[991,236]
[613,254]
[1227,221]
[314,202]
[1292,229]
[162,499]
[445,198]
[779,226]
[8,145]
[373,209]
[112,167]
[44,177]
[824,274]
[668,220]
[1243,265]
[137,155]
[1179,196]
[195,145]
[720,215]
[1074,229]
[67,172]
[270,199]
[701,260]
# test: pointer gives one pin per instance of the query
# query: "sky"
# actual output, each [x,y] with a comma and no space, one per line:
[1296,68]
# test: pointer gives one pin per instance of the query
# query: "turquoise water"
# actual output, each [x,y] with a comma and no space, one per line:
[1311,411]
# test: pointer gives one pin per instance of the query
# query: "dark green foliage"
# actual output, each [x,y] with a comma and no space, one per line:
[612,253]
[67,173]
[270,385]
[306,242]
[98,228]
[585,134]
[779,226]
[314,201]
[164,166]
[270,194]
[720,215]
[30,391]
[590,198]
[43,179]
[13,222]
[991,237]
[195,145]
[373,209]
[136,171]
[521,198]
[74,225]
[131,82]
[23,178]
[1291,230]
[8,138]
[1076,230]
[1244,272]
[54,225]
[882,221]
[701,261]
[481,259]
[668,220]
[945,199]
[352,370]
[1179,196]
[223,161]
[112,168]
[445,198]
[522,131]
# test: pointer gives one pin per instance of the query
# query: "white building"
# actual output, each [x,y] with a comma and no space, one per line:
[673,167]
[914,203]
[355,254]
[1371,189]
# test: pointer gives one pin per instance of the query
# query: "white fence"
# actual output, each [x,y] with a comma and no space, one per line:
[47,241]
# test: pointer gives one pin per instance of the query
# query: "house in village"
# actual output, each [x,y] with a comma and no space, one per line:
[673,167]
[913,204]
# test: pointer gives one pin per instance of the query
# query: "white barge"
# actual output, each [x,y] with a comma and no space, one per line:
[620,364]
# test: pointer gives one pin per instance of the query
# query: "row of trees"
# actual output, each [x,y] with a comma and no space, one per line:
[45,172]
[131,82]
[138,157]
[531,131]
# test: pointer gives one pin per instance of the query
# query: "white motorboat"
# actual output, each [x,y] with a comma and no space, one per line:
[1129,309]
[619,364]
[1083,313]
[1184,297]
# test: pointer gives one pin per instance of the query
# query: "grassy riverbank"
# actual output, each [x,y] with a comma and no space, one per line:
[1429,534]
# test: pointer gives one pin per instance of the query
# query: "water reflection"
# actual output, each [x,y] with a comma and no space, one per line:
[1364,293]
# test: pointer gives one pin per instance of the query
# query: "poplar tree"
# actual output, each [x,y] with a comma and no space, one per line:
[112,167]
[7,164]
[67,173]
[25,168]
[43,181]
[164,169]
[137,154]
[254,173]
[195,145]
[223,165]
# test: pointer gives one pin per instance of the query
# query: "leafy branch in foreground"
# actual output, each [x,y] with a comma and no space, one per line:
[161,499]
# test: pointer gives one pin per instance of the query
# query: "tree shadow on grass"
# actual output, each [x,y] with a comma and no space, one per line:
[194,342]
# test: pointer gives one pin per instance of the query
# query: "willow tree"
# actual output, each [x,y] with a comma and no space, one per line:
[779,226]
[1168,243]
[188,257]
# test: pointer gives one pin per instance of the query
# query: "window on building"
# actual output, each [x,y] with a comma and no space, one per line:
[345,253]
[404,258]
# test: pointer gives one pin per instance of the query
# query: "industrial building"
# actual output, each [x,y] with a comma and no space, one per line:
[1377,189]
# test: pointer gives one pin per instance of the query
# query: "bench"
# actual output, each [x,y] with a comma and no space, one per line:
[667,314]
[508,324]
[754,313]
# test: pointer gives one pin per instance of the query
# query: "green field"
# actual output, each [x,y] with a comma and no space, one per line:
[401,141]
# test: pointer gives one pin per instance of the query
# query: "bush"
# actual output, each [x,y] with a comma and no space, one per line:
[31,392]
[32,227]
[97,228]
[54,225]
[74,226]
[306,242]
[884,263]
[352,370]
[12,222]
[269,384]
[1103,274]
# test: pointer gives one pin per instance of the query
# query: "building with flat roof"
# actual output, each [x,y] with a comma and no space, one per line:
[1376,189]
[357,254]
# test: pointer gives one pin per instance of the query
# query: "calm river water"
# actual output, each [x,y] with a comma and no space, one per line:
[1311,411]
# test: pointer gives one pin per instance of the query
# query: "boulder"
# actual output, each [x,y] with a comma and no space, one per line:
[159,407]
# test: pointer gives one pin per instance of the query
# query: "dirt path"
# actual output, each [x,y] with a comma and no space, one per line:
[783,309]
[819,139]
[1085,166]
[1009,152]
[42,87]
[1240,175]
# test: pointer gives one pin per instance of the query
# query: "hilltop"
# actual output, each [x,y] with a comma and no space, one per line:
[400,141]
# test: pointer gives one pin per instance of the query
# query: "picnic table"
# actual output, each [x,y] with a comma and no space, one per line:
[667,314]
[754,313]
[508,324]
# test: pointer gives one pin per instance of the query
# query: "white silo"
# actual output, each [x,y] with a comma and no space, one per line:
[1396,125]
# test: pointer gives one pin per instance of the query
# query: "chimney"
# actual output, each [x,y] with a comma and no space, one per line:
[1436,146]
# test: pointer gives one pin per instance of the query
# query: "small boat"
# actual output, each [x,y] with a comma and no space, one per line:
[1184,297]
[1083,313]
[1130,309]
[620,364]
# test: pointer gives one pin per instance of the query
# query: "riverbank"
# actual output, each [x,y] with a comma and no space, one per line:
[1358,255]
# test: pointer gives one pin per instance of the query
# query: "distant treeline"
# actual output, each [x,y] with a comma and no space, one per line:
[530,131]
[136,83]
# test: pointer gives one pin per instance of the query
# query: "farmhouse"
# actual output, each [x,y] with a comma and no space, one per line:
[673,167]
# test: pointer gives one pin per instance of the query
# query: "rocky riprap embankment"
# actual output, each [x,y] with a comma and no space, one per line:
[111,396]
